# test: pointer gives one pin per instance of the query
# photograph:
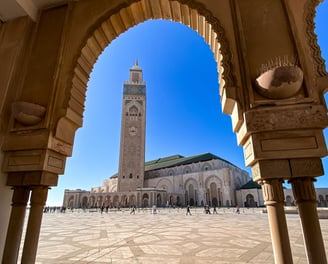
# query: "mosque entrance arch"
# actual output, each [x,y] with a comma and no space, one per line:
[145,200]
[250,201]
[84,202]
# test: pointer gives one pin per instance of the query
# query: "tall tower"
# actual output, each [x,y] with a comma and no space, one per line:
[132,147]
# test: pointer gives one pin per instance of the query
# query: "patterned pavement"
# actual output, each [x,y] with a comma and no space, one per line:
[166,237]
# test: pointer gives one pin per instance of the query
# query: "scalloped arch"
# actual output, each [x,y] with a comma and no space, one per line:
[318,62]
[191,181]
[213,178]
[165,182]
[187,12]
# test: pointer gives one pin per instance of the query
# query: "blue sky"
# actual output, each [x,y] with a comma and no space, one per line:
[183,106]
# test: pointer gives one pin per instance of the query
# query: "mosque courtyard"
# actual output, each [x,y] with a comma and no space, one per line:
[169,236]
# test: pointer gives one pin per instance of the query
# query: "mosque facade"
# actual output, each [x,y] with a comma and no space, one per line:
[198,180]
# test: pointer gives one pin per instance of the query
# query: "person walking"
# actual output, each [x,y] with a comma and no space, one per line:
[188,210]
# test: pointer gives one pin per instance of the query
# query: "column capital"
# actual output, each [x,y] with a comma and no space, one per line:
[272,191]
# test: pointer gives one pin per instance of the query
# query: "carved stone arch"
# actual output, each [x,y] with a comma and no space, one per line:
[84,201]
[171,172]
[129,14]
[187,169]
[92,201]
[165,183]
[191,181]
[133,108]
[215,179]
[71,201]
[206,166]
[319,63]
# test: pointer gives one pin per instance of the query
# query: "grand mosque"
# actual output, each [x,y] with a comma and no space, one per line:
[198,180]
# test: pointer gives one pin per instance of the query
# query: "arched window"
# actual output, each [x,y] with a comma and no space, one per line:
[133,113]
[206,167]
[250,202]
[186,170]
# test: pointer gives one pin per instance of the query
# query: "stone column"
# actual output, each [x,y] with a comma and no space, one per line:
[274,200]
[305,196]
[38,199]
[16,223]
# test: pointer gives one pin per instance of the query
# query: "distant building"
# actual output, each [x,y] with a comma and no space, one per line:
[171,181]
[199,180]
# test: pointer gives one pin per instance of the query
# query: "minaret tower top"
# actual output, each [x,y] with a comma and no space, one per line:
[136,74]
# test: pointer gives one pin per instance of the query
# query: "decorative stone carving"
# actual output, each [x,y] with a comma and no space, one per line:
[280,82]
[28,114]
[287,117]
[272,191]
[106,32]
[319,63]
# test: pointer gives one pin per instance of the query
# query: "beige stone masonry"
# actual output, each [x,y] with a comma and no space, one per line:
[287,168]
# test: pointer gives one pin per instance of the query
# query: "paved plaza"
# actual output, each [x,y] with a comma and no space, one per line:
[166,237]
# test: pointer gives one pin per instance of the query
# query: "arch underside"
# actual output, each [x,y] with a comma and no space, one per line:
[189,13]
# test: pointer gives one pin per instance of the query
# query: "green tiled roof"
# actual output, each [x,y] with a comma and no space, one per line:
[177,160]
[251,185]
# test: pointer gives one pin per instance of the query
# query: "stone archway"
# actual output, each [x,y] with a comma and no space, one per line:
[70,203]
[145,200]
[84,202]
[189,13]
[191,191]
[276,131]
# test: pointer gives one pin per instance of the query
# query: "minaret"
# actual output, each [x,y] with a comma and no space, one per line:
[132,147]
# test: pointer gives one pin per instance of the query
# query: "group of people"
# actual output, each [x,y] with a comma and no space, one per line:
[54,209]
[208,211]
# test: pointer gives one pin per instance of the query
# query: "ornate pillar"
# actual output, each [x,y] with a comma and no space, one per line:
[305,196]
[16,222]
[38,199]
[274,200]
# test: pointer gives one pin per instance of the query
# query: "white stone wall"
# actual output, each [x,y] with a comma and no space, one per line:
[200,175]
